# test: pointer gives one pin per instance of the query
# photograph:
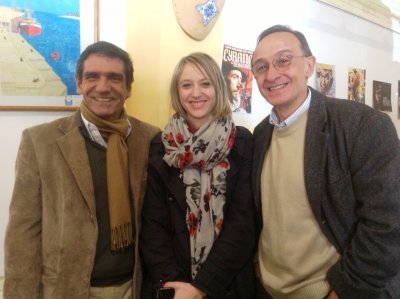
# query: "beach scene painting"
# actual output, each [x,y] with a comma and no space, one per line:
[40,42]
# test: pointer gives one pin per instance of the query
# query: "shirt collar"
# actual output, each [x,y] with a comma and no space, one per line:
[94,132]
[274,120]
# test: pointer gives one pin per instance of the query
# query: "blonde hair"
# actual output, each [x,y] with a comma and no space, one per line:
[209,68]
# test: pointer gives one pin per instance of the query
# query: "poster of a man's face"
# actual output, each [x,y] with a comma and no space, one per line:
[234,83]
[326,79]
[382,95]
[236,69]
[238,87]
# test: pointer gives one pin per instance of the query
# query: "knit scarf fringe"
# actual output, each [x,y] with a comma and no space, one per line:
[121,237]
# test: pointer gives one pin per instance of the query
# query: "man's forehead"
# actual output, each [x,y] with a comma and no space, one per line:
[108,64]
[107,59]
[277,42]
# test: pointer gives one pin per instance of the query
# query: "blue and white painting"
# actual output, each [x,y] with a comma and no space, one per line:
[59,39]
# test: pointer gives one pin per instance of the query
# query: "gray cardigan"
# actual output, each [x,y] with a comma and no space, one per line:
[352,177]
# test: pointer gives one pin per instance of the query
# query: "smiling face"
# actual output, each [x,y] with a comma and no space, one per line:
[285,90]
[196,95]
[103,86]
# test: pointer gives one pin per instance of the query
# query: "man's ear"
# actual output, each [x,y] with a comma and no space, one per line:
[309,66]
[78,84]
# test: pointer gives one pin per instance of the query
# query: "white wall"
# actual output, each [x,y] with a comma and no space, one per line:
[335,37]
[11,125]
[112,29]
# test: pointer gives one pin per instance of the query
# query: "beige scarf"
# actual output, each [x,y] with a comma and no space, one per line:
[114,133]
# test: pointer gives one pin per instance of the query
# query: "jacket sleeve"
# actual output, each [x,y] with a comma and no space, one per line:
[372,256]
[23,234]
[234,246]
[156,236]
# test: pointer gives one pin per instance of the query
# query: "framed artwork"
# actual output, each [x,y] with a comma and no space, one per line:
[382,95]
[356,85]
[236,68]
[326,79]
[40,43]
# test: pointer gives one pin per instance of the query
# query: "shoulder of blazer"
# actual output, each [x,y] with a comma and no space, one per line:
[156,146]
[260,128]
[348,113]
[243,133]
[243,145]
[63,125]
[141,129]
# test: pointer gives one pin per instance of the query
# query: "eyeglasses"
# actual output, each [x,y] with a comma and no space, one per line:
[281,64]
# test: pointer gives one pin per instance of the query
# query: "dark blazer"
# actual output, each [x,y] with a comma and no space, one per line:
[352,177]
[164,239]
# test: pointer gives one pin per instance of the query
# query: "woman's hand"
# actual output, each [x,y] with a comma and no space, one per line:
[332,295]
[184,290]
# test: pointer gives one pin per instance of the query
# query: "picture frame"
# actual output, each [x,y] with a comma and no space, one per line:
[39,53]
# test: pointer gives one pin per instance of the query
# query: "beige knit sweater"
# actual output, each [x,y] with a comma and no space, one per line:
[294,254]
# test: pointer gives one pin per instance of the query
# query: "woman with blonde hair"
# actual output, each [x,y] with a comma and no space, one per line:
[198,233]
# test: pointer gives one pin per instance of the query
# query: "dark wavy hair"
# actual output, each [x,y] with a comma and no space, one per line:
[109,50]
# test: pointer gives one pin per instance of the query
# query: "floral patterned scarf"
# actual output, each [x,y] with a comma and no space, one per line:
[202,158]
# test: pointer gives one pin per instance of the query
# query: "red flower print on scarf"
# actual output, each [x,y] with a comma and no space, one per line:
[219,224]
[180,138]
[224,164]
[192,224]
[231,139]
[201,164]
[185,158]
[171,140]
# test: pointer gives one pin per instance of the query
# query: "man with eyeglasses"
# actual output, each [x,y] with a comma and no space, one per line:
[326,182]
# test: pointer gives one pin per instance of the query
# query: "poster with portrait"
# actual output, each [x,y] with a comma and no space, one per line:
[381,93]
[356,85]
[236,68]
[326,81]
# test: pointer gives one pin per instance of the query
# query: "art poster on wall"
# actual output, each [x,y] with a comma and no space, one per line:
[326,81]
[356,85]
[40,42]
[381,95]
[236,68]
